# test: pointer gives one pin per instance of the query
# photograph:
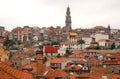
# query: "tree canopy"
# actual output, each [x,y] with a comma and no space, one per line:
[81,42]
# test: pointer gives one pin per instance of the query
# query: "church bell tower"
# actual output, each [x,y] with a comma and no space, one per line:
[68,21]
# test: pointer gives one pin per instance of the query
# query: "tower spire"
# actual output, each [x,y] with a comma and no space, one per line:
[68,20]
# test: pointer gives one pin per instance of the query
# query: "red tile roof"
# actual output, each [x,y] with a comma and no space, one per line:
[58,60]
[114,76]
[89,51]
[76,54]
[93,75]
[68,43]
[112,62]
[73,76]
[92,59]
[99,69]
[56,74]
[99,27]
[80,62]
[50,49]
[7,72]
[73,67]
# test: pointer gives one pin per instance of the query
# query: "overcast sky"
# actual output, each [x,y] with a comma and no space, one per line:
[45,13]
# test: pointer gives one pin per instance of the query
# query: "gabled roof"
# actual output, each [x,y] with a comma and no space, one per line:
[103,40]
[50,49]
[68,43]
[73,34]
[73,67]
[92,59]
[76,53]
[73,76]
[7,72]
[99,27]
[89,51]
[99,69]
[112,62]
[93,75]
[56,74]
[98,75]
[81,62]
[58,60]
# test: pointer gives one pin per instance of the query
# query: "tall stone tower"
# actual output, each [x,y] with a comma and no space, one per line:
[109,31]
[68,21]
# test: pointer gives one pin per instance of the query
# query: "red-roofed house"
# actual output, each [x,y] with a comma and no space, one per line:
[76,56]
[88,53]
[57,74]
[57,63]
[50,51]
[99,27]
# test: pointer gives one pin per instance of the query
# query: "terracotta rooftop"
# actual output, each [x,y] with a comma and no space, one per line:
[92,60]
[68,43]
[58,60]
[103,40]
[50,49]
[73,67]
[99,27]
[99,69]
[56,74]
[76,54]
[7,72]
[114,76]
[93,75]
[73,76]
[81,62]
[89,51]
[73,33]
[112,62]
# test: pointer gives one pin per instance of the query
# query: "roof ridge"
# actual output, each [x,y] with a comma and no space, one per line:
[13,71]
[7,72]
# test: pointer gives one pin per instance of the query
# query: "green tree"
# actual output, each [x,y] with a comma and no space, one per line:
[94,47]
[68,52]
[81,42]
[19,42]
[55,43]
[58,56]
[9,43]
[113,46]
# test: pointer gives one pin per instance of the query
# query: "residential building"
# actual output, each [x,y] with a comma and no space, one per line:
[73,37]
[57,74]
[70,45]
[57,63]
[89,53]
[50,51]
[87,40]
[20,34]
[99,36]
[76,56]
